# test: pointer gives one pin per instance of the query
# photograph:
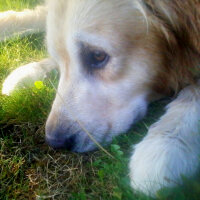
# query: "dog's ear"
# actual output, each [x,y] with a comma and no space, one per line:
[176,25]
[25,22]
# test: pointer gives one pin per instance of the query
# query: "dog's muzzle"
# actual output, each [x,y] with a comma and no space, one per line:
[59,137]
[61,143]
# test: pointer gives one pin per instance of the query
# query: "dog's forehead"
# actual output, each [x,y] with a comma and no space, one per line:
[87,14]
[106,24]
[110,21]
[98,14]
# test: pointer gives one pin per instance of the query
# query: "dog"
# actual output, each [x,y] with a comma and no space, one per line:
[114,58]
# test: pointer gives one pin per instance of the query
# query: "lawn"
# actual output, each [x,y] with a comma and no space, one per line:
[29,169]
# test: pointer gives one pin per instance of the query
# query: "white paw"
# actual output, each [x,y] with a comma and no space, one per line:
[160,161]
[9,84]
[27,74]
[13,80]
[20,76]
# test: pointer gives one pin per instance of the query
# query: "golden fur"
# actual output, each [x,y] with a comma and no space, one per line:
[176,24]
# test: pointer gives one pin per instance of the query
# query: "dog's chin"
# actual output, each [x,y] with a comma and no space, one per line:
[85,149]
[87,144]
[76,139]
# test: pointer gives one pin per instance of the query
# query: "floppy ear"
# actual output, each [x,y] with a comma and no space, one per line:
[24,22]
[176,27]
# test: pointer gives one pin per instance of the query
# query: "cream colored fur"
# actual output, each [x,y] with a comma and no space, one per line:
[12,22]
[171,148]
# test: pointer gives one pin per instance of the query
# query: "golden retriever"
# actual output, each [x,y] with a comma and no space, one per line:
[114,58]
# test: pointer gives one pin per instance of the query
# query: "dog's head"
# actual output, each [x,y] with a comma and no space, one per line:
[107,61]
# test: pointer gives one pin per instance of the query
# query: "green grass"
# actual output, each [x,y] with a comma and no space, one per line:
[29,169]
[17,4]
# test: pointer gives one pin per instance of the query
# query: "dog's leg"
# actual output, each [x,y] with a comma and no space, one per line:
[171,148]
[30,72]
[27,21]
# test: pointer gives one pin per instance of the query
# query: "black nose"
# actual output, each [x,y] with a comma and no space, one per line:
[61,143]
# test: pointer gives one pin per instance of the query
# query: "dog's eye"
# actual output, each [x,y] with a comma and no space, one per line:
[93,59]
[98,59]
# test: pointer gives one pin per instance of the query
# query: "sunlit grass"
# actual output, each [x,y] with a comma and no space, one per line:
[17,4]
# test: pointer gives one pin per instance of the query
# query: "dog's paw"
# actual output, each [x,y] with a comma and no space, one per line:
[27,74]
[161,161]
[13,80]
[10,84]
[171,148]
[21,76]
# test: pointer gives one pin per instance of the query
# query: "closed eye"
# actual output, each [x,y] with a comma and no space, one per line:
[93,58]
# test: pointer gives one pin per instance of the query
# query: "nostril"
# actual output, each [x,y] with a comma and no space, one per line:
[61,143]
[54,143]
[70,143]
